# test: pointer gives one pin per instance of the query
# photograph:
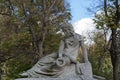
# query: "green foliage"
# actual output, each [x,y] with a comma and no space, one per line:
[96,51]
[52,43]
[17,52]
[108,20]
[17,41]
[14,66]
[18,49]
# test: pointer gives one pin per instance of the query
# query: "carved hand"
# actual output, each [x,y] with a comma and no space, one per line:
[78,69]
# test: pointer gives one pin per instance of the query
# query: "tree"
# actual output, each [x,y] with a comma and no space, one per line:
[98,54]
[37,14]
[26,26]
[109,19]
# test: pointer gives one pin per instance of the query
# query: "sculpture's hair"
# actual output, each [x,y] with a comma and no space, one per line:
[67,26]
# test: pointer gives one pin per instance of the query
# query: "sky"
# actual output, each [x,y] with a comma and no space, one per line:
[81,17]
[79,9]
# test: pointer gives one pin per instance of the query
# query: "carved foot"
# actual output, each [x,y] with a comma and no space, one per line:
[24,74]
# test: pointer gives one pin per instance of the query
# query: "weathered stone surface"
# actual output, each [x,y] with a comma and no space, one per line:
[63,65]
[52,79]
[99,77]
[70,74]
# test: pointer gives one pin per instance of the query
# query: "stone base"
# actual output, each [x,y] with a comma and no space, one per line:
[53,79]
[70,74]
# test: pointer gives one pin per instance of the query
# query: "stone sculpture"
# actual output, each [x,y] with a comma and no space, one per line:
[63,64]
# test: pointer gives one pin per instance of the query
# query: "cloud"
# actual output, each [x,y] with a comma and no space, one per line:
[83,26]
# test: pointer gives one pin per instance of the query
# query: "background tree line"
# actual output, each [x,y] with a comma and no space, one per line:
[28,32]
[111,22]
[107,20]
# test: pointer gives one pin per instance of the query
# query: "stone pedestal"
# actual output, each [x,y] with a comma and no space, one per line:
[53,79]
[70,74]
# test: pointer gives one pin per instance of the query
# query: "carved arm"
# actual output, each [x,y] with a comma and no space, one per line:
[84,51]
[61,48]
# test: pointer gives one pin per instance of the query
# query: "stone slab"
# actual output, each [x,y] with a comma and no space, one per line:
[69,74]
[52,79]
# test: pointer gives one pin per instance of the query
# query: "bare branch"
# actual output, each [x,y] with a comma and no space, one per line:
[48,11]
[7,14]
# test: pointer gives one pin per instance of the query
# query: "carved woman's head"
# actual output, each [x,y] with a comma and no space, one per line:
[67,29]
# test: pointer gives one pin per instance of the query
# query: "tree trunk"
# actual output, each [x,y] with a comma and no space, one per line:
[116,69]
[42,39]
[114,55]
[44,30]
[105,8]
[40,49]
[114,41]
[34,39]
[0,72]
